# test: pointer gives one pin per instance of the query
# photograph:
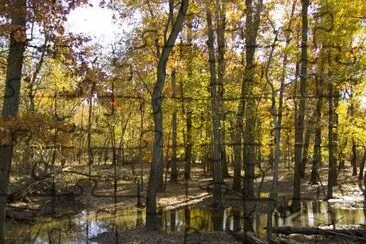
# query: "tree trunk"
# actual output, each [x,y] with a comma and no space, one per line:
[189,142]
[305,150]
[152,221]
[331,149]
[220,34]
[318,132]
[236,138]
[11,100]
[362,166]
[188,156]
[354,158]
[300,112]
[90,117]
[174,171]
[216,115]
[252,25]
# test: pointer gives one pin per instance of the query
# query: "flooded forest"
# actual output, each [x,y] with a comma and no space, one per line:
[182,121]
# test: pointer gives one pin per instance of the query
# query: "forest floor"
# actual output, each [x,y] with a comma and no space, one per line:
[194,192]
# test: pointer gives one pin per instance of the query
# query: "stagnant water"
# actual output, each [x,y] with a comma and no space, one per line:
[83,227]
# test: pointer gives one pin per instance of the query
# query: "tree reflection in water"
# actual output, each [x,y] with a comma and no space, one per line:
[90,225]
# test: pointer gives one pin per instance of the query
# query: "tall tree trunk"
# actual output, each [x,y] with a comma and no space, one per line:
[300,112]
[351,113]
[252,25]
[11,100]
[188,156]
[189,142]
[90,117]
[220,34]
[157,165]
[174,171]
[216,115]
[331,146]
[305,150]
[277,114]
[354,158]
[318,131]
[237,162]
[336,147]
[142,113]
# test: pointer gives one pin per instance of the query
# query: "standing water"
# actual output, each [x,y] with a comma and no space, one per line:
[85,226]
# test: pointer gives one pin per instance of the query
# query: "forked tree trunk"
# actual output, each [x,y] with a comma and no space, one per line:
[11,100]
[152,221]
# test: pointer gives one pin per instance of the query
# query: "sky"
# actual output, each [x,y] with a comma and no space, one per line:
[94,21]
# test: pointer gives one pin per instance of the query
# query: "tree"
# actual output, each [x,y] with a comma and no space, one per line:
[11,100]
[300,112]
[216,114]
[251,32]
[158,158]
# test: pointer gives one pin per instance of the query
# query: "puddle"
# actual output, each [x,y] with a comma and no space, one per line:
[83,227]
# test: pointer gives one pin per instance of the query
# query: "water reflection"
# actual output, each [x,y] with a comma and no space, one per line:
[85,227]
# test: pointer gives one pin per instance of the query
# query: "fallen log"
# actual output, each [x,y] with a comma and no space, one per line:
[248,237]
[21,215]
[357,234]
[18,191]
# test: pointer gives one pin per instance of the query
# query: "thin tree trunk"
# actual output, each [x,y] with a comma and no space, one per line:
[188,156]
[152,221]
[237,162]
[189,142]
[174,171]
[305,150]
[331,151]
[318,132]
[354,158]
[300,112]
[11,100]
[216,116]
[142,113]
[90,116]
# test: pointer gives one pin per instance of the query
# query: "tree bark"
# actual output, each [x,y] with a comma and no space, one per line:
[252,25]
[11,100]
[332,138]
[300,112]
[318,132]
[331,149]
[174,171]
[220,34]
[305,150]
[157,165]
[354,158]
[216,115]
[189,142]
[362,166]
